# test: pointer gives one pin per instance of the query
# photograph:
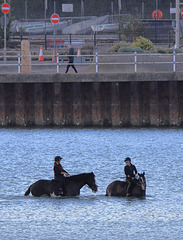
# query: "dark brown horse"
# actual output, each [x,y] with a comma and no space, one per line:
[72,186]
[119,188]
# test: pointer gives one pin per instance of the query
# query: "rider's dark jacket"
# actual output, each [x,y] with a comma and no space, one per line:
[71,53]
[57,171]
[130,170]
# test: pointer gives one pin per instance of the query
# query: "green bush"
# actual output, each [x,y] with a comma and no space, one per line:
[163,51]
[178,50]
[126,49]
[168,50]
[117,46]
[138,50]
[143,43]
[151,51]
[130,49]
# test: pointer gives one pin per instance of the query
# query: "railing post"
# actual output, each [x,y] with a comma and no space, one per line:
[19,64]
[135,61]
[57,62]
[174,61]
[96,62]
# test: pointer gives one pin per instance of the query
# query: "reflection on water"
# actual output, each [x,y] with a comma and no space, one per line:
[28,154]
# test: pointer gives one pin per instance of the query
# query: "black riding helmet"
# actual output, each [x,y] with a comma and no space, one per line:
[127,159]
[57,158]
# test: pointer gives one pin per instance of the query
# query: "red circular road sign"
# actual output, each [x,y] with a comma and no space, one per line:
[5,8]
[55,18]
[182,12]
[157,14]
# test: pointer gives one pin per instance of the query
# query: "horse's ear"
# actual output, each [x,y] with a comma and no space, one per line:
[139,174]
[143,173]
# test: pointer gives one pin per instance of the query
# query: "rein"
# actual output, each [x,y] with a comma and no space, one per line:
[139,184]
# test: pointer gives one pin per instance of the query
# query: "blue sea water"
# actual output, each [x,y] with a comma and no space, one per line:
[27,155]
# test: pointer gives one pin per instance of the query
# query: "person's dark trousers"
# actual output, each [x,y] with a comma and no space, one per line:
[60,184]
[129,188]
[71,65]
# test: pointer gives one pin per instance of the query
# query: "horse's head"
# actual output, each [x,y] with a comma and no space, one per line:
[142,181]
[91,182]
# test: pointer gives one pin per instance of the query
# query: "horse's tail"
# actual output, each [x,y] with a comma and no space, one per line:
[28,191]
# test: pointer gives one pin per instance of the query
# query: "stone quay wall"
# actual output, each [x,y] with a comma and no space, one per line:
[92,100]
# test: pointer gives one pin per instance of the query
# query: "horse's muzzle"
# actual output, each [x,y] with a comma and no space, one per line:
[94,188]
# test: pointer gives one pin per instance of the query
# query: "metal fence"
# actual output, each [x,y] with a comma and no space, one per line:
[99,63]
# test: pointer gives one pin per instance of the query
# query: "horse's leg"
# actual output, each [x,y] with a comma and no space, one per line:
[121,190]
[137,191]
[108,193]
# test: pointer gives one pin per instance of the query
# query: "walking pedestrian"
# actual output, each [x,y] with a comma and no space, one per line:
[71,59]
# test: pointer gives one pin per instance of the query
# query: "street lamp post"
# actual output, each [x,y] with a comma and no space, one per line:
[119,8]
[82,14]
[45,8]
[25,10]
[177,37]
[112,11]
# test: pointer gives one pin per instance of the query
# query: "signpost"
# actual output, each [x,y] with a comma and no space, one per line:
[67,7]
[177,36]
[45,8]
[55,19]
[5,8]
[182,12]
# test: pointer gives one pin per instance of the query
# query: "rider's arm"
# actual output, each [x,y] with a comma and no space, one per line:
[135,170]
[64,172]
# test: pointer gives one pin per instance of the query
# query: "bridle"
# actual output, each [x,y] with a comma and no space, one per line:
[92,186]
[142,183]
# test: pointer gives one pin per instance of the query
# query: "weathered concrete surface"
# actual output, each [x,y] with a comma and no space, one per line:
[102,77]
[100,100]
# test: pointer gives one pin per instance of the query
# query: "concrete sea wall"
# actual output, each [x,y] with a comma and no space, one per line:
[97,100]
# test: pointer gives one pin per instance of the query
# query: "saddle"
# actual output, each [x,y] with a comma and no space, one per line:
[60,185]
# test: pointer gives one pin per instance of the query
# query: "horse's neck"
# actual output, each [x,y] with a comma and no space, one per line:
[78,182]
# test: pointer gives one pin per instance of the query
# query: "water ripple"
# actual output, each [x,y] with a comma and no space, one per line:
[28,155]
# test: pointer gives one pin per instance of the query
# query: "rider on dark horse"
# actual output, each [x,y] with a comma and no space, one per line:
[59,172]
[130,171]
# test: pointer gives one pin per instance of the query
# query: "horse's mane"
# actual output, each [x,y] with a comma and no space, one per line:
[79,176]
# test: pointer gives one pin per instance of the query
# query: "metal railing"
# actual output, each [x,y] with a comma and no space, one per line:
[103,61]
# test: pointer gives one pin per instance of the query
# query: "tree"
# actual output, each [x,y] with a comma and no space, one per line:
[131,28]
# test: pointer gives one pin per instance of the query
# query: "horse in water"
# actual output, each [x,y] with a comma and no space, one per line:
[119,188]
[72,186]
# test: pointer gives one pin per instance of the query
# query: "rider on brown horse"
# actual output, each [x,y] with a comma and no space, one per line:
[130,171]
[59,172]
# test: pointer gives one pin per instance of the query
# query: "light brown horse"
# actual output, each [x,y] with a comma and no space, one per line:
[119,188]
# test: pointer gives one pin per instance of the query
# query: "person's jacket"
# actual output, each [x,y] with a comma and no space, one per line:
[57,171]
[130,170]
[71,52]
